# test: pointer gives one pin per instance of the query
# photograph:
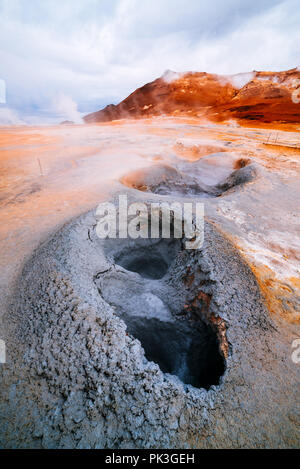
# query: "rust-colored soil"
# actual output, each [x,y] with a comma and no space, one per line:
[259,97]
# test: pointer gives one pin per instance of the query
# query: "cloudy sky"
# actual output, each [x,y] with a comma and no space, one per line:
[58,57]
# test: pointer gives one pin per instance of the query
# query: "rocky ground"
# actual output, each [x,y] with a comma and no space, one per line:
[142,343]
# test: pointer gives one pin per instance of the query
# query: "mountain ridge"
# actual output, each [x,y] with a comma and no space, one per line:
[258,95]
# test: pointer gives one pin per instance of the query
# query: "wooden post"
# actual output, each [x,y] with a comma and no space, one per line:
[40,167]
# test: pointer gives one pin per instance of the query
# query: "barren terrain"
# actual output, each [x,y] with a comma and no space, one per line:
[74,376]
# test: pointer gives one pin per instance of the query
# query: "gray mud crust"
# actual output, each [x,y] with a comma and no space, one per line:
[183,179]
[143,344]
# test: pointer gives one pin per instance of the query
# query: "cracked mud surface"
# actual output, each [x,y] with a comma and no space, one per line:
[134,345]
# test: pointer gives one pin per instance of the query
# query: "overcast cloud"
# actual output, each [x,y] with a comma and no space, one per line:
[89,53]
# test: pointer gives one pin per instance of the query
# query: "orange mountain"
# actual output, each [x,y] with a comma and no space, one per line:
[263,96]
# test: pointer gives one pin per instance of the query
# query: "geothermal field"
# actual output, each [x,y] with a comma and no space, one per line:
[142,343]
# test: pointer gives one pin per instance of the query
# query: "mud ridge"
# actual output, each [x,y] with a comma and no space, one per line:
[110,350]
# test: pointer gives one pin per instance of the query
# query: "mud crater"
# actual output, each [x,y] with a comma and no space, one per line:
[202,178]
[149,265]
[143,286]
[114,355]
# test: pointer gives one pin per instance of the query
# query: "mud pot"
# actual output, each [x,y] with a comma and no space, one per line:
[142,344]
[211,176]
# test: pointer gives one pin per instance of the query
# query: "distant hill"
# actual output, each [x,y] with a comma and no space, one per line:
[263,96]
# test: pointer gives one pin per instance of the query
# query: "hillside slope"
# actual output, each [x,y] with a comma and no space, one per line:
[263,96]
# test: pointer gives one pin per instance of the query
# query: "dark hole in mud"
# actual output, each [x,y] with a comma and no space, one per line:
[150,260]
[150,267]
[191,353]
[179,344]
